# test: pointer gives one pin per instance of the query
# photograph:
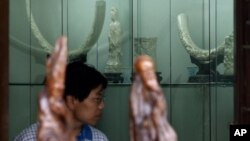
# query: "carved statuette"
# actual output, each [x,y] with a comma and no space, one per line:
[115,36]
[55,119]
[148,111]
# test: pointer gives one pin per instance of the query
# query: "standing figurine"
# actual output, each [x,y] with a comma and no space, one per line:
[114,58]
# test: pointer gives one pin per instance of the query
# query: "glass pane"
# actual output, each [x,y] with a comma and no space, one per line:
[194,57]
[191,42]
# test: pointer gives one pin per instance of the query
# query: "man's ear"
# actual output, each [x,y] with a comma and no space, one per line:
[71,102]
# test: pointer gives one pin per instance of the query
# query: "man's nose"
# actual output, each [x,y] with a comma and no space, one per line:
[101,105]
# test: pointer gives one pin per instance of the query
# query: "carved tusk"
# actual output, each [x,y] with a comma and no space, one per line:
[94,33]
[38,53]
[43,42]
[83,49]
[203,55]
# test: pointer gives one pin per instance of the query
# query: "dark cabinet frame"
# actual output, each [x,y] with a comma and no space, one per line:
[4,68]
[242,61]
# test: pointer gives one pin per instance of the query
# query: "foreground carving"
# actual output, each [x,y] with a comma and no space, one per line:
[148,114]
[55,120]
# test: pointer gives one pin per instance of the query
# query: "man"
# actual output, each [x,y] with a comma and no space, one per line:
[83,95]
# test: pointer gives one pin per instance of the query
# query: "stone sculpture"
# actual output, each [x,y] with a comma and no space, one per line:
[146,46]
[206,56]
[115,35]
[46,48]
[113,67]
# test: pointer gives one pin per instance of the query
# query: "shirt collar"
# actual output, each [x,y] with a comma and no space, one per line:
[85,133]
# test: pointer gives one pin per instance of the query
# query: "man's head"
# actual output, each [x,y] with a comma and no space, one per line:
[84,87]
[80,79]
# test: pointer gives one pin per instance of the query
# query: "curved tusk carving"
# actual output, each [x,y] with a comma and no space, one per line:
[229,55]
[37,52]
[83,49]
[46,46]
[93,35]
[203,55]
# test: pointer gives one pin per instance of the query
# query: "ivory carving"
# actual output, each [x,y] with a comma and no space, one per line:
[206,55]
[73,54]
[115,36]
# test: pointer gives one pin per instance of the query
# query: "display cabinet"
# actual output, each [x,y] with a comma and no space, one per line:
[191,42]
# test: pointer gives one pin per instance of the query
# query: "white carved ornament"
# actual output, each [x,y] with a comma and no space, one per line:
[46,47]
[207,55]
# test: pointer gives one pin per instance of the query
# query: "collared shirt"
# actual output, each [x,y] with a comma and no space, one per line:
[29,134]
[85,134]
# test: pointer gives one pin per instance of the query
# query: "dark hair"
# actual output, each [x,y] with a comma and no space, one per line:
[80,79]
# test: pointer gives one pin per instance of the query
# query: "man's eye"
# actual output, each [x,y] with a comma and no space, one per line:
[98,99]
[101,93]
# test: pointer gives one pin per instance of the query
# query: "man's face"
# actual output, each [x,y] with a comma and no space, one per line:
[89,111]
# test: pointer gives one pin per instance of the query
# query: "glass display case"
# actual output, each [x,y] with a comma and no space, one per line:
[190,41]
